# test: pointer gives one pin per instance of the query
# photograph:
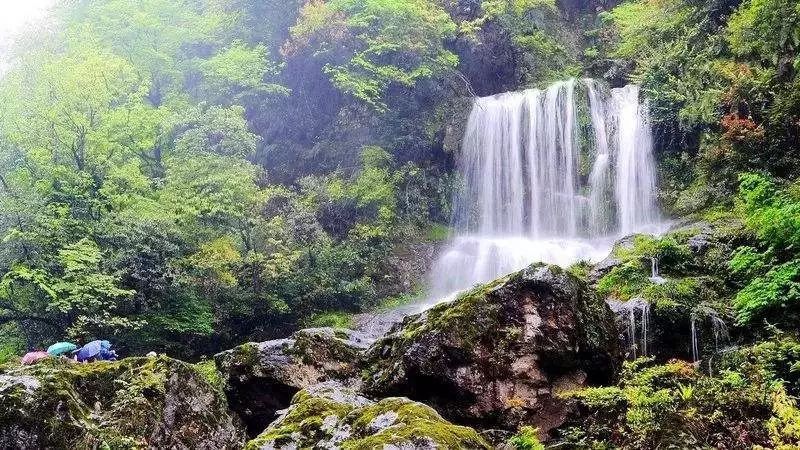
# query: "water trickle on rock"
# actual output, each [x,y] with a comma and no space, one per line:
[695,347]
[720,330]
[633,312]
[655,276]
[524,199]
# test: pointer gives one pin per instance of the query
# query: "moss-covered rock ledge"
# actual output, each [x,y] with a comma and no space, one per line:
[130,404]
[260,378]
[498,355]
[329,415]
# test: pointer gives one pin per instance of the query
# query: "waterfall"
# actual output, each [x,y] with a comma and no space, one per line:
[524,197]
[600,178]
[636,174]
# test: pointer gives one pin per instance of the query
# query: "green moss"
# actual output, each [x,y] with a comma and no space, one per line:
[306,416]
[527,438]
[472,311]
[246,355]
[414,422]
[666,249]
[624,282]
[334,319]
[311,347]
[421,431]
[208,370]
[599,397]
[580,270]
[305,423]
[675,405]
[99,405]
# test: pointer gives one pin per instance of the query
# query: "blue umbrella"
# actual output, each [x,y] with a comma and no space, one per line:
[107,355]
[89,350]
[61,348]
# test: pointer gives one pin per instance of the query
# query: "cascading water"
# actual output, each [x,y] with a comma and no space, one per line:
[600,179]
[636,174]
[524,197]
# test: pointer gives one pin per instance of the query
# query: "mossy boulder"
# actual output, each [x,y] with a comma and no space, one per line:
[694,285]
[261,378]
[329,415]
[497,355]
[133,403]
[677,405]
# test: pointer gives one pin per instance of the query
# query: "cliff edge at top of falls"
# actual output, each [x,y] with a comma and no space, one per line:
[498,355]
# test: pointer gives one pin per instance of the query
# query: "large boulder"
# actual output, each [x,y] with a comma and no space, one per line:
[329,415]
[261,378]
[498,355]
[134,403]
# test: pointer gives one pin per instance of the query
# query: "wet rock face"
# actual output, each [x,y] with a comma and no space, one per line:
[261,378]
[329,415]
[498,355]
[134,403]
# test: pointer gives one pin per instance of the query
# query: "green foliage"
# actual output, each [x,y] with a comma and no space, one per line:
[208,370]
[665,249]
[438,232]
[721,80]
[383,42]
[644,26]
[623,282]
[86,294]
[134,203]
[12,343]
[335,319]
[771,277]
[675,405]
[239,72]
[526,439]
[632,277]
[766,30]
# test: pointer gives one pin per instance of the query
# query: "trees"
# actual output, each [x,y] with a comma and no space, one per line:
[368,45]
